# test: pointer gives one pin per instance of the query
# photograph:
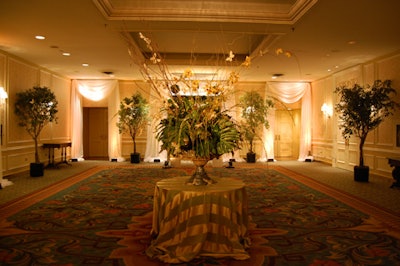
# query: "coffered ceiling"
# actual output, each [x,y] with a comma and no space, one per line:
[322,36]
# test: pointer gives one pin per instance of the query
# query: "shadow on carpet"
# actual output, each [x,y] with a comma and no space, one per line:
[103,217]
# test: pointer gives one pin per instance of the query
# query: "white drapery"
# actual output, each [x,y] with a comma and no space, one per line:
[268,139]
[230,105]
[95,90]
[288,92]
[77,123]
[153,146]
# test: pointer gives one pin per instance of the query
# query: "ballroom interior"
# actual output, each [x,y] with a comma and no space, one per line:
[301,50]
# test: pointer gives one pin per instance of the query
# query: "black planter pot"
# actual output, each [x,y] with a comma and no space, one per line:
[36,169]
[251,157]
[135,157]
[361,173]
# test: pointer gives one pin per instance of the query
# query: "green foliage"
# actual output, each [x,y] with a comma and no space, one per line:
[196,126]
[361,110]
[133,115]
[35,108]
[255,114]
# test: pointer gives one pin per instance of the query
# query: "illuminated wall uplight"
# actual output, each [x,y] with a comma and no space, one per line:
[93,93]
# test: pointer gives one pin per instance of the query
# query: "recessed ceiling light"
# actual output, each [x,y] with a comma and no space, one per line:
[40,37]
[66,54]
[85,64]
[351,42]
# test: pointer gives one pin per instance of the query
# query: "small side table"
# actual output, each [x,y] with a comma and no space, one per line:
[395,162]
[59,145]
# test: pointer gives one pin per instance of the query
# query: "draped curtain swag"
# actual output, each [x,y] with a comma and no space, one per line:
[95,90]
[288,92]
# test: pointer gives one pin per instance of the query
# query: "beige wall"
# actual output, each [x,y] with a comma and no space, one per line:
[18,146]
[328,144]
[323,134]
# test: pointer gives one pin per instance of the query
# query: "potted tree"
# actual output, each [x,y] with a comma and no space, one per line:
[35,108]
[254,113]
[133,115]
[361,110]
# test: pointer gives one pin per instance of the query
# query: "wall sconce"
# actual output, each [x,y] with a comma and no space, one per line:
[327,110]
[3,95]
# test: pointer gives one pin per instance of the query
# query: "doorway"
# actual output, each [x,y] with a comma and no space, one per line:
[287,134]
[95,133]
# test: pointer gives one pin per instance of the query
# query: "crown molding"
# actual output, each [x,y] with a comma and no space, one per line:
[256,11]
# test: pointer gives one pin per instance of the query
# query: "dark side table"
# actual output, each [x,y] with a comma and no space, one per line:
[57,145]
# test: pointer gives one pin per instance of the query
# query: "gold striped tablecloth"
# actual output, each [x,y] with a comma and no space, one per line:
[193,221]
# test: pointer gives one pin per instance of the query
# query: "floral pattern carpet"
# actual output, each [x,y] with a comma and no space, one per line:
[103,217]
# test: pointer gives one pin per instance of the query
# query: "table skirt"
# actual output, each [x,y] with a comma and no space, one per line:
[194,221]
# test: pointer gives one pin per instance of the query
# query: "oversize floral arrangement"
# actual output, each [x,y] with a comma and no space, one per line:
[195,121]
[196,126]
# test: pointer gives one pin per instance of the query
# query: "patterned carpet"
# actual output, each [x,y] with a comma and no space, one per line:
[103,217]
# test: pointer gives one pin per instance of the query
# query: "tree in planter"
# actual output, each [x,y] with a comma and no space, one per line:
[254,113]
[35,108]
[133,115]
[361,110]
